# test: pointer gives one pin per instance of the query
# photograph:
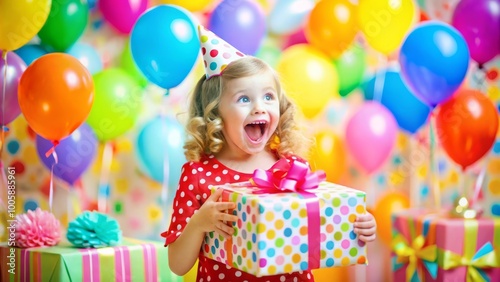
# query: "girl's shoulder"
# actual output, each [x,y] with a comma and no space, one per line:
[204,161]
[292,157]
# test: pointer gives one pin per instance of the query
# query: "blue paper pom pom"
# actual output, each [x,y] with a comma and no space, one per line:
[94,230]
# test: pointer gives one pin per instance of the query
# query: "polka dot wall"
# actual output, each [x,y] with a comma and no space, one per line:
[272,233]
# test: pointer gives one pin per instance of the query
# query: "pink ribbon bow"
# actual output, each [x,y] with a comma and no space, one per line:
[287,177]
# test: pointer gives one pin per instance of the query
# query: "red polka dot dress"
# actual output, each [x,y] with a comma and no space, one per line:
[193,191]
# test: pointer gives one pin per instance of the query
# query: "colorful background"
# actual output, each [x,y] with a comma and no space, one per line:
[130,192]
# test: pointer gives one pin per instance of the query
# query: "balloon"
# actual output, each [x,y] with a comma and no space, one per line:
[240,23]
[434,60]
[371,135]
[191,5]
[332,26]
[385,23]
[21,21]
[270,53]
[64,26]
[467,126]
[122,14]
[117,103]
[127,63]
[160,138]
[74,153]
[87,55]
[479,23]
[56,93]
[297,37]
[410,112]
[165,45]
[441,10]
[329,155]
[10,75]
[308,77]
[351,66]
[288,16]
[387,205]
[30,52]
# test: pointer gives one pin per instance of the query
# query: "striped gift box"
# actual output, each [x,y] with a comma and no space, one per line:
[133,260]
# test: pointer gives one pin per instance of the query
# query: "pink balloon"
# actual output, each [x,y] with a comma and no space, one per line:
[371,135]
[122,14]
[15,67]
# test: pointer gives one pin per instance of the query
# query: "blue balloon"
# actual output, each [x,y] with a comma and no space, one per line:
[75,153]
[160,139]
[434,60]
[30,52]
[410,112]
[87,55]
[164,45]
[288,16]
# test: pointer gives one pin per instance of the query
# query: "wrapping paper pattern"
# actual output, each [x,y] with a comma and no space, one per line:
[132,261]
[457,249]
[271,235]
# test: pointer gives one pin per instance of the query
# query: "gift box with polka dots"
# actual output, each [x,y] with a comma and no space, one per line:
[287,232]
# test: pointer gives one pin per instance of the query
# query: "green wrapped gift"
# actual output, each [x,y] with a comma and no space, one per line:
[132,260]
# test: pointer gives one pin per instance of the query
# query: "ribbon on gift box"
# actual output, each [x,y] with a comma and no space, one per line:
[411,253]
[295,176]
[485,257]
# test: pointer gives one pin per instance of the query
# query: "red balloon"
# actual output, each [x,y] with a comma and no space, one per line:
[467,126]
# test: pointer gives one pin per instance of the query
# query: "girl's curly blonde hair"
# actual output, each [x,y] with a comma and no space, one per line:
[204,126]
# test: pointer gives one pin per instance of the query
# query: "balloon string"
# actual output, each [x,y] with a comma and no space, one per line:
[51,187]
[479,77]
[478,186]
[52,149]
[103,192]
[380,80]
[4,90]
[434,169]
[166,167]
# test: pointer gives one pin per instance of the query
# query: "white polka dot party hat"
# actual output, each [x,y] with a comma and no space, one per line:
[217,53]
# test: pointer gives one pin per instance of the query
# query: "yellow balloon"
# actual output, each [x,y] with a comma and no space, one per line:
[329,155]
[20,21]
[191,5]
[308,77]
[385,23]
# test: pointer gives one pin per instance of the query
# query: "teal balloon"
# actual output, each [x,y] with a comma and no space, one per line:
[160,139]
[30,52]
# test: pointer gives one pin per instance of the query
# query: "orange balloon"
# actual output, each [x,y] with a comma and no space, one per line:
[332,26]
[467,126]
[384,208]
[55,95]
[329,155]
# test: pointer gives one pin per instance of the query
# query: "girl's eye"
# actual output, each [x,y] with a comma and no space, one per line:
[268,97]
[243,99]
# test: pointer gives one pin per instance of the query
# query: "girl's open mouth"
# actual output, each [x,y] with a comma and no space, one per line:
[256,130]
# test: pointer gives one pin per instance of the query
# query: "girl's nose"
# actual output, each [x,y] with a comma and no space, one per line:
[258,108]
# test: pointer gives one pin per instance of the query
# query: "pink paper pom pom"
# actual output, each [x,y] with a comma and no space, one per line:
[36,229]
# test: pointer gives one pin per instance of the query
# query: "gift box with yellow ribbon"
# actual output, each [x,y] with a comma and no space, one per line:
[437,247]
[300,224]
[132,260]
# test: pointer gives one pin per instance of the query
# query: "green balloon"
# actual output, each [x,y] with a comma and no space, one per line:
[127,63]
[351,67]
[269,54]
[65,24]
[117,103]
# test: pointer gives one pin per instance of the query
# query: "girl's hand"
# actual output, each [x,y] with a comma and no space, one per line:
[365,227]
[213,215]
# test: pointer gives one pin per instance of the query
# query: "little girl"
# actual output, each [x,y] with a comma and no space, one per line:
[239,120]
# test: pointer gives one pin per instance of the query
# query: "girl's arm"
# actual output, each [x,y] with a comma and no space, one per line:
[182,253]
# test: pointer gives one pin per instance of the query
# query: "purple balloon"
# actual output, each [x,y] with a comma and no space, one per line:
[240,23]
[74,153]
[479,23]
[15,67]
